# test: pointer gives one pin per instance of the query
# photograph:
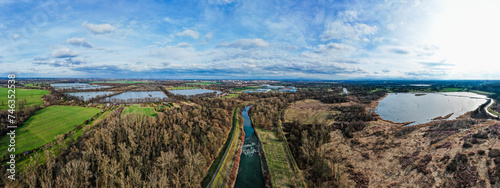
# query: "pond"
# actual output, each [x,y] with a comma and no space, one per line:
[250,171]
[423,107]
[131,95]
[87,95]
[189,92]
[58,86]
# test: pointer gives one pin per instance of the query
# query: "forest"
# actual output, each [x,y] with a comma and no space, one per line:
[173,149]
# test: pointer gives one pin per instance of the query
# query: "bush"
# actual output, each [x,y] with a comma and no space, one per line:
[481,152]
[480,136]
[459,160]
[494,153]
[467,145]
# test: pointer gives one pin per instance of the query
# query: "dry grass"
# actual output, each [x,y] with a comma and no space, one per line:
[376,150]
[310,111]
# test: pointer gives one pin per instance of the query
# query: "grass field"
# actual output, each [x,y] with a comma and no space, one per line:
[32,96]
[451,89]
[147,111]
[121,82]
[230,95]
[45,125]
[180,88]
[309,111]
[202,83]
[30,85]
[481,92]
[276,158]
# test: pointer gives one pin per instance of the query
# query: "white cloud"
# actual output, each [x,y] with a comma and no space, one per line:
[64,53]
[245,44]
[99,28]
[189,33]
[341,30]
[391,27]
[220,2]
[209,36]
[79,42]
[68,62]
[335,48]
[16,36]
[184,45]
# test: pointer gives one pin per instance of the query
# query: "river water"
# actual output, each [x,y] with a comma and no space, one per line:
[250,172]
[408,107]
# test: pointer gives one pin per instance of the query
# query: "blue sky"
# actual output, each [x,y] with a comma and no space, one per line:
[258,39]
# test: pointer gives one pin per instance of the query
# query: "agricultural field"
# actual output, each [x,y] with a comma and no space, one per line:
[45,125]
[121,82]
[180,88]
[32,96]
[147,111]
[451,89]
[202,83]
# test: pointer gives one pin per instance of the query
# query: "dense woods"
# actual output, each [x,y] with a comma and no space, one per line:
[173,149]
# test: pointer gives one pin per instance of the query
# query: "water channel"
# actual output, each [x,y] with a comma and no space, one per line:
[250,172]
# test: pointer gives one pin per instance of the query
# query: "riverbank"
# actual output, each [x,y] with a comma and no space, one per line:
[221,177]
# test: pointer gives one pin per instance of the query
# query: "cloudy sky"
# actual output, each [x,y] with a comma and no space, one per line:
[251,39]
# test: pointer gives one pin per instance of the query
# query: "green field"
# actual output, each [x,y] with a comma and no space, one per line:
[230,95]
[45,125]
[32,96]
[481,92]
[276,158]
[180,88]
[202,83]
[147,111]
[121,82]
[30,85]
[451,89]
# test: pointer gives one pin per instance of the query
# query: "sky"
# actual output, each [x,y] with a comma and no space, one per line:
[251,39]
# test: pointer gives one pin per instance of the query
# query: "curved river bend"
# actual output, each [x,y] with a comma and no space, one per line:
[249,172]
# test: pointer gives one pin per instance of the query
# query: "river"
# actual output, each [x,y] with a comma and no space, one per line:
[250,172]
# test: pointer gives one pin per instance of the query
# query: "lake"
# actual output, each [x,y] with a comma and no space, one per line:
[423,107]
[189,92]
[87,95]
[130,95]
[58,86]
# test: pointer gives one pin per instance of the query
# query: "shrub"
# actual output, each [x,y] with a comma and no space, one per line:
[494,153]
[467,145]
[481,152]
[459,160]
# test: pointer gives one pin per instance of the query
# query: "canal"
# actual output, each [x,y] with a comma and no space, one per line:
[250,172]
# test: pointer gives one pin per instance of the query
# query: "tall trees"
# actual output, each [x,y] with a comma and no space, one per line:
[173,149]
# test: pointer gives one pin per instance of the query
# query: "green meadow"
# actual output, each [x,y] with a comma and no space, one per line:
[147,111]
[32,96]
[45,125]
